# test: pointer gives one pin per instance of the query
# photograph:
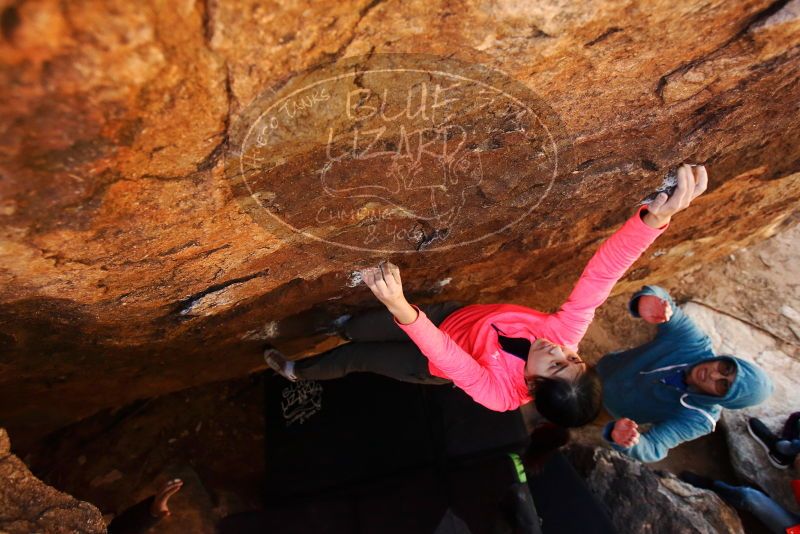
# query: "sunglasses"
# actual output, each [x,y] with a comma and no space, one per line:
[728,369]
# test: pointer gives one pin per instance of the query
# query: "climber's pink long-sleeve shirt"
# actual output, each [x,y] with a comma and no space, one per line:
[465,348]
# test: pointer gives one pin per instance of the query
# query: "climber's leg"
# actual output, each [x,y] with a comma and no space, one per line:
[401,360]
[378,324]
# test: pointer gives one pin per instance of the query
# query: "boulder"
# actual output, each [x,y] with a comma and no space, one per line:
[643,500]
[782,361]
[29,505]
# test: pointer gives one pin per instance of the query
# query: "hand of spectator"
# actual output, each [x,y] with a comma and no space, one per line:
[654,310]
[625,433]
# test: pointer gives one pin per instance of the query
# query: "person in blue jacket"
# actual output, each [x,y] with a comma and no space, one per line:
[675,383]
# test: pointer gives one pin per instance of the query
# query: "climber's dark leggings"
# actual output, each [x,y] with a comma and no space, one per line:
[378,346]
[774,516]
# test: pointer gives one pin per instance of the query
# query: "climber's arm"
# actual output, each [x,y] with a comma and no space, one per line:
[618,253]
[457,364]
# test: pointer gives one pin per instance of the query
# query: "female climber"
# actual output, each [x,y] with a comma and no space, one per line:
[502,355]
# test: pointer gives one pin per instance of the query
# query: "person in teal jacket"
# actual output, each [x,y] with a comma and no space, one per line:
[675,383]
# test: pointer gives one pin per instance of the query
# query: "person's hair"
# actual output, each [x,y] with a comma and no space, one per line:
[569,404]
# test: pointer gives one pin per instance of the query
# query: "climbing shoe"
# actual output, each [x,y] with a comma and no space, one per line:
[279,364]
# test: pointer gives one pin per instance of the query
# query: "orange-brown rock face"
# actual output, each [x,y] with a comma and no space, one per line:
[135,259]
[29,505]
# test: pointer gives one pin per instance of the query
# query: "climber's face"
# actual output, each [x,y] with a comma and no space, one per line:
[548,360]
